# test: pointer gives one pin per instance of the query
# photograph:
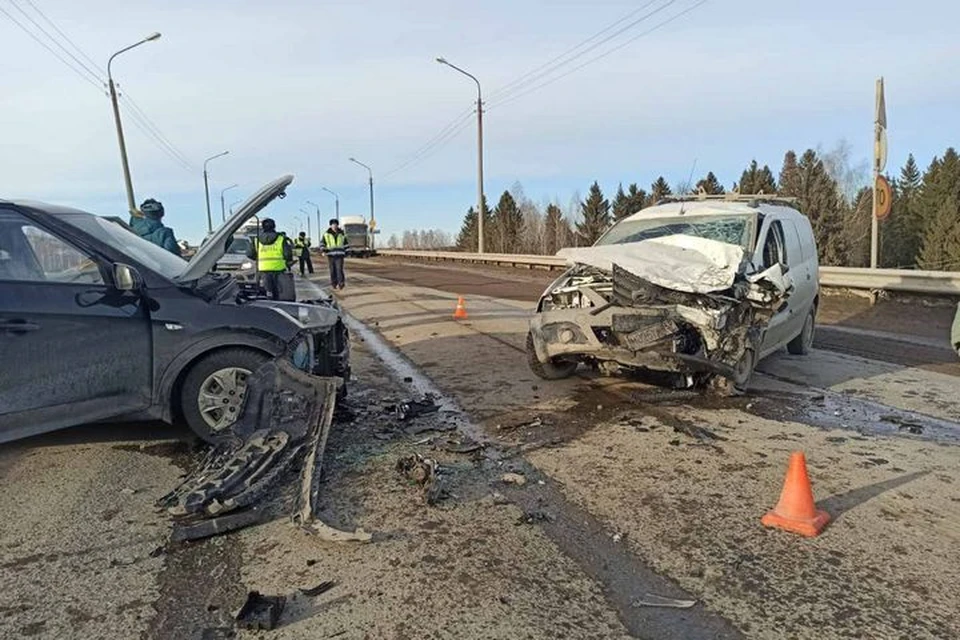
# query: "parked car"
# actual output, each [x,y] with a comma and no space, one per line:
[235,260]
[99,324]
[703,288]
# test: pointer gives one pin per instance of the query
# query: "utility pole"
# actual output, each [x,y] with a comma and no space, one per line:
[307,215]
[480,207]
[223,208]
[127,181]
[373,220]
[336,200]
[206,188]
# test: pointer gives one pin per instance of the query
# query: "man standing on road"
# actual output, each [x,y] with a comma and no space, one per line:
[334,245]
[302,246]
[149,227]
[274,255]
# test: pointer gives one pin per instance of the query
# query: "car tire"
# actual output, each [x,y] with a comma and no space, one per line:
[553,370]
[744,370]
[219,374]
[803,343]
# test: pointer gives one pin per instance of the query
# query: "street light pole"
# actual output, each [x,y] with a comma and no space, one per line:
[206,187]
[223,208]
[128,182]
[373,220]
[319,226]
[336,200]
[307,214]
[480,207]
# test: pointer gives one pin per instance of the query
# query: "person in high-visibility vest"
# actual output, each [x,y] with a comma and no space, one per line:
[274,255]
[302,247]
[334,244]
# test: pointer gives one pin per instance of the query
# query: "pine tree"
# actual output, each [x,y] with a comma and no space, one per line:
[941,240]
[552,229]
[595,211]
[710,185]
[467,239]
[818,197]
[756,180]
[941,184]
[621,204]
[637,199]
[856,228]
[902,232]
[508,225]
[659,190]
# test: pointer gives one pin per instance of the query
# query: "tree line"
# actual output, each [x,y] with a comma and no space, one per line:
[923,230]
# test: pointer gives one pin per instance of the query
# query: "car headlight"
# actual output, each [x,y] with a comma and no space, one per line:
[302,356]
[246,265]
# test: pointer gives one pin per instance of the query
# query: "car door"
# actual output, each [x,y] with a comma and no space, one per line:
[74,348]
[802,276]
[771,250]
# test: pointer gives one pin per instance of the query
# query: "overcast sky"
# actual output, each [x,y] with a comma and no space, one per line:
[298,87]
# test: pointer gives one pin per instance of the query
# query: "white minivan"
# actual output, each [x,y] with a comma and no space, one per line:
[702,286]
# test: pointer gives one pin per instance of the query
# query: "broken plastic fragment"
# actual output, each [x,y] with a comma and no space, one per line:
[653,600]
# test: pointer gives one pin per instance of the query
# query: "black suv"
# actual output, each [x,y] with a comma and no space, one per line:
[97,324]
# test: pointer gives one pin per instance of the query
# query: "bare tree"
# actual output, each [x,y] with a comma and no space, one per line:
[850,175]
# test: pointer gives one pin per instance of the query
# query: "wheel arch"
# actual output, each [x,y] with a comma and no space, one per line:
[168,391]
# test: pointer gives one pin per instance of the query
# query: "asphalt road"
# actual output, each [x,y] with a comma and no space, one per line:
[629,489]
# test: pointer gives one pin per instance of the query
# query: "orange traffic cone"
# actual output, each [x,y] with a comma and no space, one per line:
[796,512]
[461,312]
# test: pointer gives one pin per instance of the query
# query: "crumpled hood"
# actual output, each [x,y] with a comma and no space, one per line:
[678,262]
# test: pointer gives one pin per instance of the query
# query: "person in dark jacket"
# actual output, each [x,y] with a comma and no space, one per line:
[302,247]
[273,252]
[151,229]
[334,244]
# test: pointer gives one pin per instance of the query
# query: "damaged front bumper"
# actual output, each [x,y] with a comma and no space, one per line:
[620,320]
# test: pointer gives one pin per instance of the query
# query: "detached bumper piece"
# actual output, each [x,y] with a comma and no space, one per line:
[260,613]
[287,415]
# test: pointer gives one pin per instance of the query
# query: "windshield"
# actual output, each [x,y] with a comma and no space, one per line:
[240,245]
[355,229]
[730,229]
[146,253]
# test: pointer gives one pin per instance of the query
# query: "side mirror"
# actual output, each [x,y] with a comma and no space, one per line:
[126,278]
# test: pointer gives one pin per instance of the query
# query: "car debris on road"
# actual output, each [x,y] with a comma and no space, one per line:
[286,417]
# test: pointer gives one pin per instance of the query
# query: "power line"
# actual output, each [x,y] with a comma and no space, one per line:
[601,56]
[56,42]
[156,132]
[592,47]
[510,84]
[59,57]
[92,62]
[446,134]
[140,118]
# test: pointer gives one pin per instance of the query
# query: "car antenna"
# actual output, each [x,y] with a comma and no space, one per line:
[689,180]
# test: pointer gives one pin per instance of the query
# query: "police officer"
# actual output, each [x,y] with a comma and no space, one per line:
[302,247]
[274,255]
[334,245]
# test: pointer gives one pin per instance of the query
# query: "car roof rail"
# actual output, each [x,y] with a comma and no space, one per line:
[752,199]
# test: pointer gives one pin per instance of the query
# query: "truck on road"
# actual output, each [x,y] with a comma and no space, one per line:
[358,236]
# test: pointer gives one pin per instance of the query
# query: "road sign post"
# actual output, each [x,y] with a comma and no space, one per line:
[879,164]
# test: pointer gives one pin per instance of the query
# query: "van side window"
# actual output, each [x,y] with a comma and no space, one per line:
[792,237]
[774,247]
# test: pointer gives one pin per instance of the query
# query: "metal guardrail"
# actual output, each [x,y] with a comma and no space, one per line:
[939,283]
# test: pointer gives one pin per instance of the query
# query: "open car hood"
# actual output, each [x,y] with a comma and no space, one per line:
[216,246]
[678,262]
